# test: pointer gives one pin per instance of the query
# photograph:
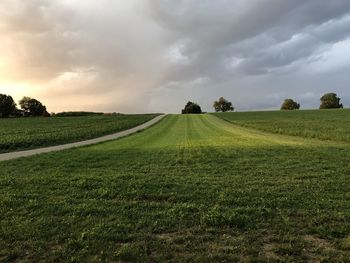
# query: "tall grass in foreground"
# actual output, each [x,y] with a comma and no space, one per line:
[189,189]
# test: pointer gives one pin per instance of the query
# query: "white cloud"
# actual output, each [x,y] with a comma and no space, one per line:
[154,55]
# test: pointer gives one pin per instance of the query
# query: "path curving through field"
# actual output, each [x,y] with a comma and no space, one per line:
[19,154]
[193,188]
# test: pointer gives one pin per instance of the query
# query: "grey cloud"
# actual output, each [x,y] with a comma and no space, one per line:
[157,53]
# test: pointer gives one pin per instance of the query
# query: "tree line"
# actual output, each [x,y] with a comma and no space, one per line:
[33,107]
[28,107]
[328,101]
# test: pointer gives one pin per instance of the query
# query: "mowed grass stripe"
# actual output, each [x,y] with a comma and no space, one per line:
[191,188]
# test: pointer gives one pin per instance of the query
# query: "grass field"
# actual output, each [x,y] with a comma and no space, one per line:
[321,124]
[189,189]
[27,133]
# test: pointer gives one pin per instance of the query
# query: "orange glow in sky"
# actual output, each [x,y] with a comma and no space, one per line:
[138,56]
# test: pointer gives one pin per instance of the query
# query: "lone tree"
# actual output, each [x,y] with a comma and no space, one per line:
[192,108]
[7,105]
[33,107]
[290,104]
[223,105]
[330,101]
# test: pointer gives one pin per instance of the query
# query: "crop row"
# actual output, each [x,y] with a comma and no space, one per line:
[25,133]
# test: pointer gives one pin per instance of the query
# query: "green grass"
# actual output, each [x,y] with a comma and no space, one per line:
[189,189]
[321,124]
[27,133]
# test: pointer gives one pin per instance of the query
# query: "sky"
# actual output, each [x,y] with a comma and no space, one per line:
[139,56]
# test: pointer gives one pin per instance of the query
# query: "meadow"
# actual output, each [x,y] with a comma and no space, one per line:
[331,125]
[28,133]
[192,188]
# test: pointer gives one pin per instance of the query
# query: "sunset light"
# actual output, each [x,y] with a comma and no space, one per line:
[101,54]
[175,131]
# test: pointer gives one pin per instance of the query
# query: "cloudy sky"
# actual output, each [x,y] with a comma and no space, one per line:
[155,55]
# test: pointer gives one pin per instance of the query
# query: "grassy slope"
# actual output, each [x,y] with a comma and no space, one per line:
[325,124]
[192,188]
[26,133]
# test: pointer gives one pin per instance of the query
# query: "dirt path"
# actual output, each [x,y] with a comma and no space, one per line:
[15,155]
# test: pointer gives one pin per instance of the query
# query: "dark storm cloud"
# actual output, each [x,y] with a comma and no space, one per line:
[252,51]
[159,53]
[265,34]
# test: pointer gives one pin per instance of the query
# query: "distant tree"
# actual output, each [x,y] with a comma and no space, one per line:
[222,105]
[330,101]
[290,104]
[24,103]
[7,105]
[192,108]
[33,107]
